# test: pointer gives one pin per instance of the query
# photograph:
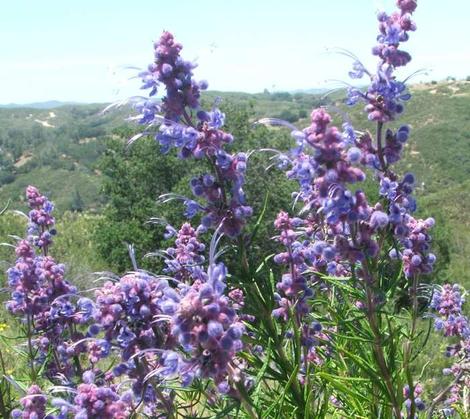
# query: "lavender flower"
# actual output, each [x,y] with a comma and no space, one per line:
[385,96]
[208,329]
[33,405]
[447,301]
[127,309]
[42,296]
[93,401]
[418,390]
[185,258]
[293,284]
[175,74]
[199,136]
[296,289]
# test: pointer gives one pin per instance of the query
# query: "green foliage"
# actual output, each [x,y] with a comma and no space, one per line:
[77,202]
[74,246]
[133,179]
[10,225]
[56,141]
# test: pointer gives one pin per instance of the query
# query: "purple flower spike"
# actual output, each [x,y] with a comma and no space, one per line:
[185,259]
[208,328]
[195,133]
[125,311]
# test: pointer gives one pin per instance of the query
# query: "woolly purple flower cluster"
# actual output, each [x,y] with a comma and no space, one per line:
[198,135]
[220,209]
[188,331]
[160,331]
[416,241]
[322,173]
[447,301]
[41,220]
[95,401]
[184,260]
[293,284]
[40,294]
[412,234]
[92,401]
[385,95]
[207,327]
[89,402]
[126,311]
[37,281]
[295,287]
[418,391]
[33,405]
[342,225]
[175,74]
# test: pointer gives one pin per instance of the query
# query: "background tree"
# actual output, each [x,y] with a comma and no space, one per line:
[133,179]
[77,204]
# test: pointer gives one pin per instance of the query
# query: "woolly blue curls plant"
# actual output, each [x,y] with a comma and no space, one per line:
[316,331]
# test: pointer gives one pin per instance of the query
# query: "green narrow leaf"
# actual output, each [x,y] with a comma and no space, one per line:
[228,409]
[365,366]
[5,208]
[260,218]
[260,375]
[354,396]
[281,397]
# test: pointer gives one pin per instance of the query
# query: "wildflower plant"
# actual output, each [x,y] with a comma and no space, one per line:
[330,326]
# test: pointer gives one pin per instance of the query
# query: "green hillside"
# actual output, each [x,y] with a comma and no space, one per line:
[55,148]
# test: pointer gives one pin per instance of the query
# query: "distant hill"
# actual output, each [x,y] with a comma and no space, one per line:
[312,91]
[50,104]
[57,148]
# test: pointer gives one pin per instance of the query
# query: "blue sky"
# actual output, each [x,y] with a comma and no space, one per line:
[79,50]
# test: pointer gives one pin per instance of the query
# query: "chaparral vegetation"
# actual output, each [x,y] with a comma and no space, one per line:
[286,271]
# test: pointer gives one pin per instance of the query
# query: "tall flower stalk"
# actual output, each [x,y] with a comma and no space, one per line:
[179,121]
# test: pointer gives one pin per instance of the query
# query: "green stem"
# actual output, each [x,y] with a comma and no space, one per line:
[408,346]
[56,359]
[374,325]
[379,354]
[3,409]
[30,349]
[244,399]
[76,359]
[380,153]
[442,394]
[284,363]
[243,257]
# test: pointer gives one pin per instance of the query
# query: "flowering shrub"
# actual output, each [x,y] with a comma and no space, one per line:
[320,329]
